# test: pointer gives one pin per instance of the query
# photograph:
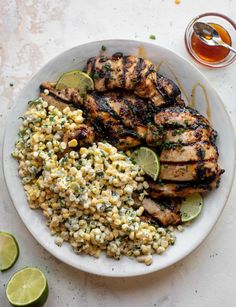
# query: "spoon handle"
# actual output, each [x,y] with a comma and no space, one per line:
[228,46]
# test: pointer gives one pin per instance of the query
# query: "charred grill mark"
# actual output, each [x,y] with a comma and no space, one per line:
[213,137]
[104,106]
[196,184]
[122,79]
[201,153]
[202,171]
[107,77]
[163,85]
[141,110]
[131,106]
[117,55]
[150,70]
[185,184]
[182,163]
[103,59]
[198,135]
[92,62]
[139,68]
[98,125]
[128,132]
[122,129]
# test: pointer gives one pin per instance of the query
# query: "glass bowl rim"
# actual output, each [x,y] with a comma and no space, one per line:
[186,39]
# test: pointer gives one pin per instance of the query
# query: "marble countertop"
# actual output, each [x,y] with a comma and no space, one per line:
[31,33]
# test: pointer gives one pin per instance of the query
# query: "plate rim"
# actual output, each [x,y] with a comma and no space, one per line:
[33,233]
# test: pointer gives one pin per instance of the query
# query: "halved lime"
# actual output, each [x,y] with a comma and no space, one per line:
[191,207]
[27,287]
[75,79]
[148,160]
[9,251]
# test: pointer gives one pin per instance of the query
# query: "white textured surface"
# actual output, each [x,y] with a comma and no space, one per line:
[32,32]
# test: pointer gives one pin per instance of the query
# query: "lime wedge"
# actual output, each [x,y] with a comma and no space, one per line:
[75,79]
[191,207]
[27,287]
[9,251]
[148,160]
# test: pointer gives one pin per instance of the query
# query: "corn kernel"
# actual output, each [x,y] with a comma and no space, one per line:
[73,143]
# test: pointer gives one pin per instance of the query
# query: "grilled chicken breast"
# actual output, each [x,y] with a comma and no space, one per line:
[133,74]
[153,115]
[180,189]
[183,137]
[165,212]
[121,118]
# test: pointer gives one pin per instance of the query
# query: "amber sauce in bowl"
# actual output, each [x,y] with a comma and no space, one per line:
[212,56]
[211,53]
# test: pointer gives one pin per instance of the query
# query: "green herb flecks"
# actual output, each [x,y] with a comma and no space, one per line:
[153,37]
[34,102]
[96,76]
[177,131]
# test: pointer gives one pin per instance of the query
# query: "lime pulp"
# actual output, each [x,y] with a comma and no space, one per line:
[75,79]
[148,160]
[27,287]
[191,207]
[9,251]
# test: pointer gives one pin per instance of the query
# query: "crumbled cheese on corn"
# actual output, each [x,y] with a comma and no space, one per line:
[86,196]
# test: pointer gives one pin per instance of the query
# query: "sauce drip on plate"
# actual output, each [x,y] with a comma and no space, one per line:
[211,53]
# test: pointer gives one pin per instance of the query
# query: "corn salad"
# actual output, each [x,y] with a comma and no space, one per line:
[86,196]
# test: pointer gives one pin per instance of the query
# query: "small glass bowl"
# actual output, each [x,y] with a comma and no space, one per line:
[223,21]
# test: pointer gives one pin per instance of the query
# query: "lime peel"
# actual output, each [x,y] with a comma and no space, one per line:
[191,207]
[9,251]
[148,160]
[76,79]
[27,287]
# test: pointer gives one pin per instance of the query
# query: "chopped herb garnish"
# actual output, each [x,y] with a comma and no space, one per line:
[161,128]
[160,182]
[63,160]
[119,130]
[167,145]
[21,117]
[103,154]
[106,66]
[153,37]
[201,153]
[162,207]
[134,81]
[100,174]
[132,160]
[103,48]
[218,183]
[34,102]
[177,131]
[96,75]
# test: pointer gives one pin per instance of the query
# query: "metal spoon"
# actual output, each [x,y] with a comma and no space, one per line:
[209,35]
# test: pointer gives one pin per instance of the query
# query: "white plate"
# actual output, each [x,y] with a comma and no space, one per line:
[172,66]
